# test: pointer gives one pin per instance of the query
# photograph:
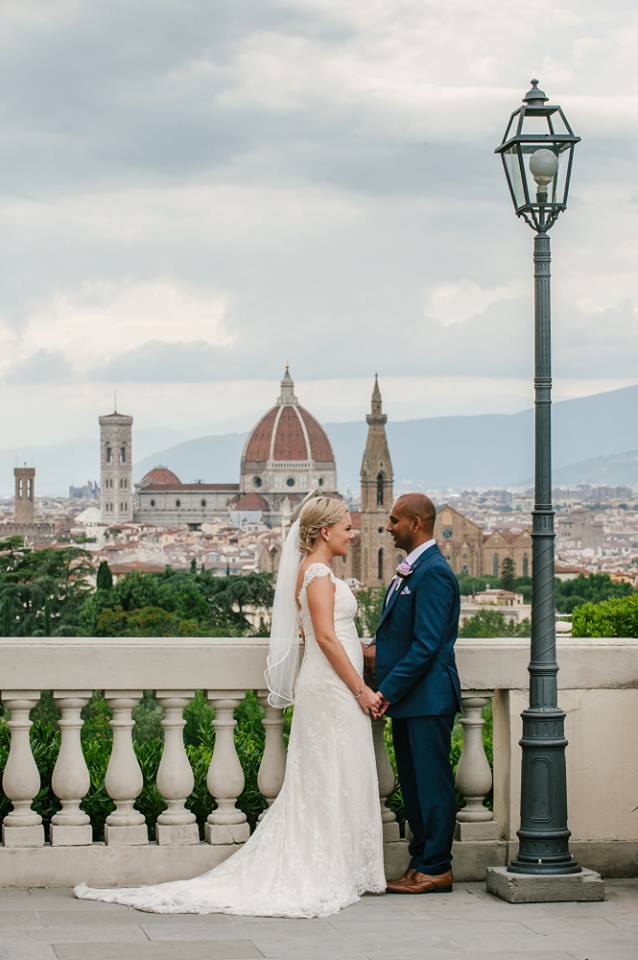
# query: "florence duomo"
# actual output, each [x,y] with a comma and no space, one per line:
[287,456]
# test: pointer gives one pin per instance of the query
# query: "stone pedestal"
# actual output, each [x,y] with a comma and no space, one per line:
[529,888]
[226,832]
[477,830]
[76,835]
[124,836]
[31,836]
[177,834]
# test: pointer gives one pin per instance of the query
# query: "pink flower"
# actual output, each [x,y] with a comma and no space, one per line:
[404,569]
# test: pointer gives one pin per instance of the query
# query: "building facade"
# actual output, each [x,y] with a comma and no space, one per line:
[470,550]
[116,467]
[377,552]
[24,502]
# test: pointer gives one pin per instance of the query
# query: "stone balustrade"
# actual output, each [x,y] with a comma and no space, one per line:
[599,691]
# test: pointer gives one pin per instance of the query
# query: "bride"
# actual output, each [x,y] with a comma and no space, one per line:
[320,845]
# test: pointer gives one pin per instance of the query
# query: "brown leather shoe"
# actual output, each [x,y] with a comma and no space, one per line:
[405,878]
[425,883]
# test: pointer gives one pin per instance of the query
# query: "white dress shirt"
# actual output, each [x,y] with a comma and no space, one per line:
[411,559]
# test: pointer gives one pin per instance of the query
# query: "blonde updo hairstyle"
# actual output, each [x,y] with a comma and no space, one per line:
[317,513]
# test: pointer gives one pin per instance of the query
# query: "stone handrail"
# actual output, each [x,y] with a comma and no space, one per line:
[225,668]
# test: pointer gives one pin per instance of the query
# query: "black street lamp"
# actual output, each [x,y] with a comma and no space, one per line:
[537,152]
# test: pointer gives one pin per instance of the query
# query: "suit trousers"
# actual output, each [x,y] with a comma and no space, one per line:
[422,749]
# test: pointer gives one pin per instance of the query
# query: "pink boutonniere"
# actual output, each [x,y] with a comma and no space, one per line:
[404,569]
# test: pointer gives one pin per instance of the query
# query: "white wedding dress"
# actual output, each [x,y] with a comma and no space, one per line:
[320,845]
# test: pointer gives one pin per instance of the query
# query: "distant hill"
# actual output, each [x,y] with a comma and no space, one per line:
[485,450]
[591,438]
[614,470]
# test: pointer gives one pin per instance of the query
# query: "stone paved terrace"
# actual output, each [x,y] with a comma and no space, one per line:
[469,924]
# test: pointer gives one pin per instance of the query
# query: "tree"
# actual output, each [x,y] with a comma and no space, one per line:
[492,623]
[104,579]
[508,581]
[615,617]
[370,602]
[42,592]
[588,589]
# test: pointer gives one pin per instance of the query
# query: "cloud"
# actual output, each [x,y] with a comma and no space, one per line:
[41,367]
[195,192]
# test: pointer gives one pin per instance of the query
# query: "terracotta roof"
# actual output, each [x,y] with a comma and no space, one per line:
[181,487]
[138,566]
[288,432]
[250,501]
[160,476]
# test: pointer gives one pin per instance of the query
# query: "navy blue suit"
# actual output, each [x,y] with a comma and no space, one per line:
[416,671]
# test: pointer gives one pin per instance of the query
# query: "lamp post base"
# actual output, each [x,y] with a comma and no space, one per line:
[531,888]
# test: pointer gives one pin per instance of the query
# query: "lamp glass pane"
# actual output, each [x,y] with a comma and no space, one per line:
[558,124]
[513,171]
[558,193]
[535,125]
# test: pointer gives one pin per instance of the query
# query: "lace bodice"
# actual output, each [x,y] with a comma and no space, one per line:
[345,610]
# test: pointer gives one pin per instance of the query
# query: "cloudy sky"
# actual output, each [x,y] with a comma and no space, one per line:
[193,192]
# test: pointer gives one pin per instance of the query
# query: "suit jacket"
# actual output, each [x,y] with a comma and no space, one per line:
[416,668]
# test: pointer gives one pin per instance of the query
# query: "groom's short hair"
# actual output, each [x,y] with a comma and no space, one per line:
[419,505]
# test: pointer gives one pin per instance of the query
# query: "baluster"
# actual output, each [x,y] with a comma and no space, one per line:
[125,826]
[22,826]
[175,780]
[273,763]
[385,775]
[225,779]
[473,774]
[71,826]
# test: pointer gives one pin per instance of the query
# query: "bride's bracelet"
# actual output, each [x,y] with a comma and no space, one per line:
[357,695]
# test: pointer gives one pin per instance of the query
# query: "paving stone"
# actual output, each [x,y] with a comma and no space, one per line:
[76,933]
[68,916]
[14,899]
[25,951]
[23,919]
[180,927]
[159,950]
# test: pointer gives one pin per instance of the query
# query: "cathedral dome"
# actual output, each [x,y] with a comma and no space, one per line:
[160,477]
[288,433]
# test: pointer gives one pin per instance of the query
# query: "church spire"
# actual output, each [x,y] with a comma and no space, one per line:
[287,394]
[377,557]
[376,414]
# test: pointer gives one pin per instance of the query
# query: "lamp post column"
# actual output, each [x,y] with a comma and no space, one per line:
[543,835]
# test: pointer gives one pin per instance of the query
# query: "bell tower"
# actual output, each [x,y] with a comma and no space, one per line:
[116,467]
[24,503]
[377,550]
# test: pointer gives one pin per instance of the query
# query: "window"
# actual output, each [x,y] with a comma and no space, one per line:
[380,564]
[20,489]
[257,481]
[152,503]
[495,565]
[290,482]
[320,482]
[202,503]
[178,503]
[122,454]
[109,453]
[380,483]
[380,530]
[525,565]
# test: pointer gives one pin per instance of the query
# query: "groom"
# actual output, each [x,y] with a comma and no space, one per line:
[417,678]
